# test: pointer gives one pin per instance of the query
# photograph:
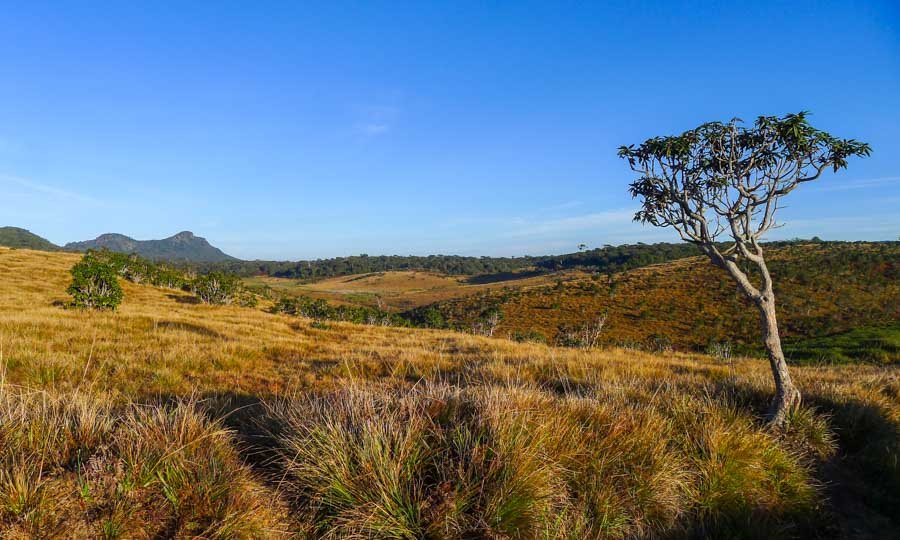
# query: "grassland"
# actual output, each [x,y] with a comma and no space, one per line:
[173,419]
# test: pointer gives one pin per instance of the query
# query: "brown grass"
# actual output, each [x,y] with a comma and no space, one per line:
[691,303]
[149,419]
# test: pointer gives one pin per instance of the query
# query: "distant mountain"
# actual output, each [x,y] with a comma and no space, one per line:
[184,246]
[23,238]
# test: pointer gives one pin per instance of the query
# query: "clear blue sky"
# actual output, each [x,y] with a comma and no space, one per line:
[301,130]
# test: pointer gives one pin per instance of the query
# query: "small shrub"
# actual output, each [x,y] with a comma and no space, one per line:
[94,284]
[659,343]
[585,336]
[531,336]
[216,288]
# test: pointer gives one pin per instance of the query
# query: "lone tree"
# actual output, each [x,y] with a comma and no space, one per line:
[720,185]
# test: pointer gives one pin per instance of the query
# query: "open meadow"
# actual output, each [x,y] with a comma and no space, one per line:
[177,419]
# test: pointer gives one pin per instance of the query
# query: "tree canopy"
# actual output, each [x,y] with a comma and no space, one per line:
[727,178]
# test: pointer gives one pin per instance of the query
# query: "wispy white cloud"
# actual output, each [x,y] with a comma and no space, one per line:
[48,189]
[372,129]
[607,219]
[852,227]
[568,205]
[374,120]
[860,184]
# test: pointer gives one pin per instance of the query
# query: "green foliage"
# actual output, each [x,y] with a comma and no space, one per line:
[364,264]
[216,288]
[531,336]
[212,288]
[94,284]
[137,269]
[319,309]
[875,344]
[680,170]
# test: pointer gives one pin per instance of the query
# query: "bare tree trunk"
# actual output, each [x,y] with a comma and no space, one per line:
[787,397]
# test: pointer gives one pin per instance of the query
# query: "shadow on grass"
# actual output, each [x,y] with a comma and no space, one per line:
[182,299]
[188,327]
[859,485]
[864,478]
[485,279]
[862,481]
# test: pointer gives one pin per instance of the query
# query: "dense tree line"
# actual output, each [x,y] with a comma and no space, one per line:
[606,259]
[364,264]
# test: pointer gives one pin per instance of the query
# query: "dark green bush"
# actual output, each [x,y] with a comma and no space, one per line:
[94,284]
[319,309]
[216,288]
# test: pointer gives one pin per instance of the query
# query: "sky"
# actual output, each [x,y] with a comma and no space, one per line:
[297,130]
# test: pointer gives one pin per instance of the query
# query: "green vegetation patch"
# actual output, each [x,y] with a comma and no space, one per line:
[878,345]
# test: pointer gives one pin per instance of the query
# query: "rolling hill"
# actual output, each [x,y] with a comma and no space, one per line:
[823,289]
[169,418]
[184,246]
[15,237]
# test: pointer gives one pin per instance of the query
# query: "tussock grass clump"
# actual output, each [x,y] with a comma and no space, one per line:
[445,462]
[72,467]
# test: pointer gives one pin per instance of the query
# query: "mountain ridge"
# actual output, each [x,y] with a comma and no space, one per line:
[17,237]
[182,246]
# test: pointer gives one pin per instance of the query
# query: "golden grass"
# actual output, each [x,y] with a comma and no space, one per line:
[401,290]
[389,432]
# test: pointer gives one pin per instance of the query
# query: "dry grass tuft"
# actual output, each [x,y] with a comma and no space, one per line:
[439,461]
[70,467]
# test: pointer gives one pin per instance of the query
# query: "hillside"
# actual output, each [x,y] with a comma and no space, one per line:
[823,289]
[15,237]
[184,246]
[173,419]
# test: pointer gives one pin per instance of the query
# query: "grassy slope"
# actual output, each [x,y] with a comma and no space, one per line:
[822,290]
[402,290]
[380,431]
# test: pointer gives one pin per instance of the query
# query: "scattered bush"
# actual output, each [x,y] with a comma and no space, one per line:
[94,284]
[532,336]
[488,320]
[319,309]
[659,343]
[137,269]
[216,288]
[585,336]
